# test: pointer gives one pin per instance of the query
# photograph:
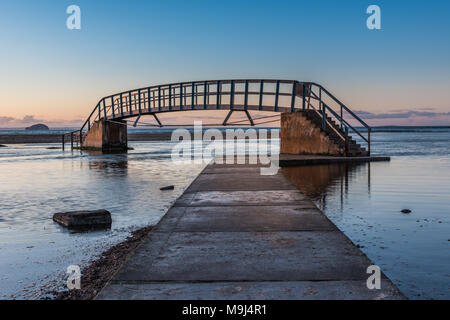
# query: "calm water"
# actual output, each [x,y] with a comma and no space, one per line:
[364,201]
[37,182]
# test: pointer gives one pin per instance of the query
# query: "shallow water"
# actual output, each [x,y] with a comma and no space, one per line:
[37,182]
[364,201]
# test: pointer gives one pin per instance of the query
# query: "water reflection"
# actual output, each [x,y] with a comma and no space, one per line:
[320,180]
[365,202]
[118,167]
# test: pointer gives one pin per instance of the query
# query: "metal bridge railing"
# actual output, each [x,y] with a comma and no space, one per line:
[249,94]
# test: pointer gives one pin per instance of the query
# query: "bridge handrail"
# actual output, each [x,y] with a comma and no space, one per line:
[112,106]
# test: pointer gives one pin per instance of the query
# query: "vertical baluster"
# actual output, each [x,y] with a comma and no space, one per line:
[121,104]
[346,141]
[324,117]
[149,104]
[170,97]
[294,92]
[218,95]
[181,96]
[205,93]
[193,94]
[129,103]
[232,95]
[159,98]
[139,97]
[368,140]
[196,95]
[99,111]
[320,98]
[112,107]
[104,109]
[304,97]
[277,93]
[154,99]
[246,95]
[261,94]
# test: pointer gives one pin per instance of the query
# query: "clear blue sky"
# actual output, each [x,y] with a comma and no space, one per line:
[50,72]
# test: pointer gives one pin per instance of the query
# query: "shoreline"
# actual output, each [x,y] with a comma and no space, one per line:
[99,272]
[12,139]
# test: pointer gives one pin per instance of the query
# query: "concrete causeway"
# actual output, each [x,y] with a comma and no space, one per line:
[235,234]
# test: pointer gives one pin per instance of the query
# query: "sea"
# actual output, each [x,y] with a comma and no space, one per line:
[365,201]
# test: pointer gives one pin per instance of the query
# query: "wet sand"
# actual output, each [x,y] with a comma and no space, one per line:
[95,276]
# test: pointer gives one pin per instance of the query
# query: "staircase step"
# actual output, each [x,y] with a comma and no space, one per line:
[353,148]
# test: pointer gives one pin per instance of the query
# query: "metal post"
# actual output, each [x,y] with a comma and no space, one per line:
[149,94]
[181,96]
[304,97]
[121,104]
[320,98]
[157,120]
[104,110]
[227,118]
[193,94]
[249,118]
[129,103]
[71,140]
[277,93]
[261,93]
[112,106]
[89,123]
[232,95]
[170,97]
[346,141]
[368,139]
[139,97]
[294,93]
[246,95]
[159,98]
[99,112]
[218,95]
[324,117]
[63,140]
[205,93]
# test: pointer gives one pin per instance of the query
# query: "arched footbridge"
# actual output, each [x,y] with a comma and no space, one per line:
[316,103]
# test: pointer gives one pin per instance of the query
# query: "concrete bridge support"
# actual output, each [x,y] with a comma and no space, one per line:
[107,136]
[301,136]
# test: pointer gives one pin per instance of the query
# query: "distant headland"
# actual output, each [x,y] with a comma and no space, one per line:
[38,127]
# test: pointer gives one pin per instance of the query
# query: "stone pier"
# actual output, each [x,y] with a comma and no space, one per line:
[107,136]
[301,136]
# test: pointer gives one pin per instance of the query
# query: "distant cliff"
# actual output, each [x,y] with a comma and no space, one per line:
[38,127]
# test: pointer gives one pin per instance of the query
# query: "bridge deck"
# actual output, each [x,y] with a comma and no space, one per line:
[235,234]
